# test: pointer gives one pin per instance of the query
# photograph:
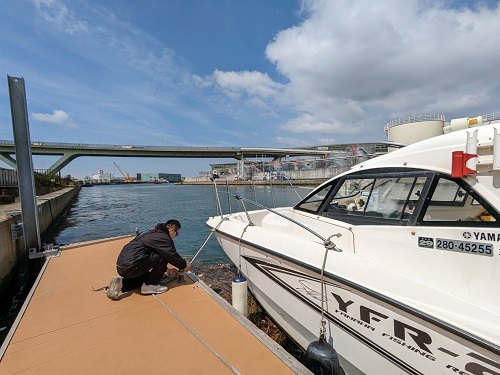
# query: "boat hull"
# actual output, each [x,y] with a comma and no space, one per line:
[368,329]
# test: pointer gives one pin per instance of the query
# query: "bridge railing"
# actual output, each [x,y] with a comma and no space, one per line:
[119,147]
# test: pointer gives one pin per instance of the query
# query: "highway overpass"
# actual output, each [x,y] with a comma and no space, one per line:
[70,151]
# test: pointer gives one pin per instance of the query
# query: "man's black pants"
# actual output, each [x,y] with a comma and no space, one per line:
[149,271]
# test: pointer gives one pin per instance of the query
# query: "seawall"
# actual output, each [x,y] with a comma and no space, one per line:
[12,253]
[206,181]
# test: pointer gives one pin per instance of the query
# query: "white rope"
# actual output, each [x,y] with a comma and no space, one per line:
[198,337]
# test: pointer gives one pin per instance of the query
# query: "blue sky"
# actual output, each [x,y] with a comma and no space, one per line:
[240,73]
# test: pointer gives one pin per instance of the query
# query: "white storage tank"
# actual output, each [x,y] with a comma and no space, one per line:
[411,129]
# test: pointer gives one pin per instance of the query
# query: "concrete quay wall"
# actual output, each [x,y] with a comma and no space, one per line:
[12,252]
[206,181]
[311,177]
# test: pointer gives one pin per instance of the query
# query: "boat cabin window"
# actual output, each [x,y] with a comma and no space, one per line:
[451,202]
[391,198]
[367,200]
[313,203]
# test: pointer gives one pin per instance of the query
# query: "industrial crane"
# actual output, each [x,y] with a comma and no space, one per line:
[125,174]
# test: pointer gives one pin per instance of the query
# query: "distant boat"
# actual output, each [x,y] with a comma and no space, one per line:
[159,181]
[87,184]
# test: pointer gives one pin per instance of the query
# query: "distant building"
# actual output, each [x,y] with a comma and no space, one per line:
[159,177]
[103,178]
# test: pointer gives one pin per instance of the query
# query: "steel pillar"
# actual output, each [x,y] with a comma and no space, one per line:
[27,193]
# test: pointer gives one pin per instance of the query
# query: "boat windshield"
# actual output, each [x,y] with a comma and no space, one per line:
[393,199]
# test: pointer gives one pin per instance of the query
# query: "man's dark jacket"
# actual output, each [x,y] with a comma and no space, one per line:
[155,240]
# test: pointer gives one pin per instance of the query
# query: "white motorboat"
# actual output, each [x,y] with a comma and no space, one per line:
[400,256]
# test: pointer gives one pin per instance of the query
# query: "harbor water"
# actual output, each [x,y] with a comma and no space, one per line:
[103,211]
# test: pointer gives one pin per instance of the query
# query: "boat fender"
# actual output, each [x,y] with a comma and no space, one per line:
[239,292]
[322,359]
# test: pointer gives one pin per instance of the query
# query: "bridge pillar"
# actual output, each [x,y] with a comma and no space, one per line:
[242,166]
[9,160]
[63,161]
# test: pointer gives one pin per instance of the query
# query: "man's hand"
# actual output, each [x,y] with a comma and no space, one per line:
[188,267]
[171,271]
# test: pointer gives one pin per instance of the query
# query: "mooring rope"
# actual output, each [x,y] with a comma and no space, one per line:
[198,336]
[239,245]
[329,245]
[212,230]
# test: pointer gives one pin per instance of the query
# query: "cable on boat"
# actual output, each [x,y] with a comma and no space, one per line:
[331,246]
[198,336]
[219,209]
[239,246]
[272,190]
[293,187]
[326,241]
[254,192]
[228,200]
[212,230]
[321,357]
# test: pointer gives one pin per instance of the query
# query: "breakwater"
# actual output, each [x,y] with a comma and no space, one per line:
[12,252]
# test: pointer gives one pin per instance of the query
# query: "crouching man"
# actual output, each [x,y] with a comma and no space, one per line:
[144,260]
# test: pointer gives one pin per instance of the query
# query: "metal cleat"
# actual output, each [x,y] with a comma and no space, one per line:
[180,277]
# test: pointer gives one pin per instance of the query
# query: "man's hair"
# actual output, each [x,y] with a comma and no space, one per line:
[173,222]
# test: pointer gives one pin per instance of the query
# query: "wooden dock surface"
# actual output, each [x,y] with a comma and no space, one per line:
[65,328]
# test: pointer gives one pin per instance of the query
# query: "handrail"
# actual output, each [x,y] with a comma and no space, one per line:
[238,197]
[414,118]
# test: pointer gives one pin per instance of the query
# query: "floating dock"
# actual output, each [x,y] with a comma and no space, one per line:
[66,328]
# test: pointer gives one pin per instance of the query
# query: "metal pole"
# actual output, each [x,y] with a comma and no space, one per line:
[22,143]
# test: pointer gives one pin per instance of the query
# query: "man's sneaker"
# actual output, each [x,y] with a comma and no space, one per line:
[167,279]
[153,289]
[115,287]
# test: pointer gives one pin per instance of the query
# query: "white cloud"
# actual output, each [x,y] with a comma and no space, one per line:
[310,124]
[57,117]
[354,65]
[57,13]
[291,142]
[203,82]
[307,123]
[236,84]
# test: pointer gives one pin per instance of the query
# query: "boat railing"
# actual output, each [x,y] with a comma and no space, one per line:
[329,245]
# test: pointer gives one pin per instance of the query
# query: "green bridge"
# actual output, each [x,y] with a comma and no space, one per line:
[70,151]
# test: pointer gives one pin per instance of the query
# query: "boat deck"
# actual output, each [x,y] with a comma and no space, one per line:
[66,328]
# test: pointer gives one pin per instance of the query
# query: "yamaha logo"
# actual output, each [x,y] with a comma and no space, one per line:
[467,235]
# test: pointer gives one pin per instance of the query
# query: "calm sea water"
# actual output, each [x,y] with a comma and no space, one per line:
[104,211]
